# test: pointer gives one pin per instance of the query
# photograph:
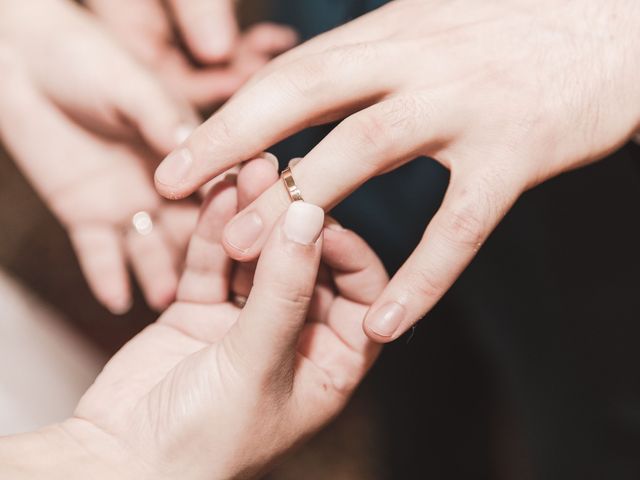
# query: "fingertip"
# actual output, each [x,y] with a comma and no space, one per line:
[262,168]
[383,323]
[271,38]
[162,292]
[255,177]
[171,176]
[374,337]
[118,306]
[211,47]
[113,294]
[241,234]
[219,205]
[212,35]
[160,299]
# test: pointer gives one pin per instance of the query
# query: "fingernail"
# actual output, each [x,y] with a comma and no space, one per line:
[244,231]
[303,223]
[175,168]
[182,133]
[121,306]
[387,319]
[272,158]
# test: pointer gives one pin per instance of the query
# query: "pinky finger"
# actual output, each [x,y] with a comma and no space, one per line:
[101,256]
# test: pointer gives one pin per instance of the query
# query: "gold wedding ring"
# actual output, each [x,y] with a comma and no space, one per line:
[290,184]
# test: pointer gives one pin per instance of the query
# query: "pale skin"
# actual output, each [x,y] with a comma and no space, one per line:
[504,93]
[87,123]
[212,391]
[194,45]
[89,142]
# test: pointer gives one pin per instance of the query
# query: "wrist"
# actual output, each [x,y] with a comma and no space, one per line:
[71,450]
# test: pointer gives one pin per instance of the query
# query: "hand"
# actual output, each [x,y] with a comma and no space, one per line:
[209,29]
[75,63]
[212,391]
[504,93]
[94,183]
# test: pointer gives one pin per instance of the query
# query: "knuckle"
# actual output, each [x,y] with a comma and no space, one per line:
[352,55]
[316,74]
[465,224]
[294,302]
[369,132]
[403,113]
[219,133]
[286,296]
[303,78]
[384,129]
[424,284]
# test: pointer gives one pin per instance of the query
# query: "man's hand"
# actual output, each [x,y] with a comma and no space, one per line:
[194,45]
[213,391]
[503,93]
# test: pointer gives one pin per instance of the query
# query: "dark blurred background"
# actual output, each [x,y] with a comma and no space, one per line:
[526,370]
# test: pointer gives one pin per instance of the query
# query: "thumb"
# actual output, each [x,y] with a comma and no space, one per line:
[208,27]
[266,334]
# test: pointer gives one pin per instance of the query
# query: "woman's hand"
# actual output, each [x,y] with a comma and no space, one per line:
[504,93]
[213,391]
[194,45]
[79,67]
[71,102]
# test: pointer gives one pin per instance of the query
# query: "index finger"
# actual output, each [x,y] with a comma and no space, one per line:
[309,91]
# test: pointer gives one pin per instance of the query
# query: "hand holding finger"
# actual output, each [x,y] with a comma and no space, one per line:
[267,331]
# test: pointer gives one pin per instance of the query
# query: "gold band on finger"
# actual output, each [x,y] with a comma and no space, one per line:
[290,184]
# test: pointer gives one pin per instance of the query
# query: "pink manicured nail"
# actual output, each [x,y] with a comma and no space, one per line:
[386,320]
[175,168]
[244,231]
[303,223]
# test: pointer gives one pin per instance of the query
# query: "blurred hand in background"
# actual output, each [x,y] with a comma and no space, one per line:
[195,46]
[86,123]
